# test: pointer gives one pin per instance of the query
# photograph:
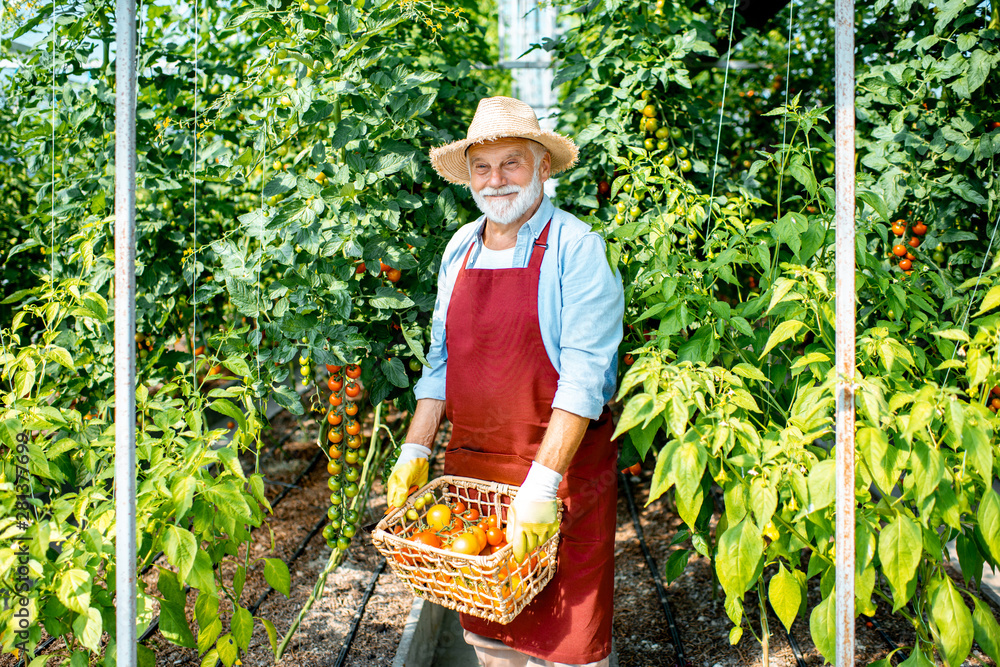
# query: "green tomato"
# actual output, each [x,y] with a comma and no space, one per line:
[428,498]
[335,523]
[620,219]
[351,456]
[662,133]
[322,10]
[939,257]
[682,152]
[348,530]
[351,516]
[343,543]
[635,211]
[676,133]
[333,513]
[362,453]
[351,490]
[352,473]
[621,207]
[415,364]
[419,504]
[685,165]
[669,160]
[627,186]
[336,500]
[649,144]
[412,515]
[334,467]
[333,483]
[662,145]
[329,532]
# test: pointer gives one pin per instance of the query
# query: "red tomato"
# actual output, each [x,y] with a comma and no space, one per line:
[332,369]
[352,390]
[920,229]
[353,371]
[458,507]
[394,275]
[914,241]
[472,515]
[334,383]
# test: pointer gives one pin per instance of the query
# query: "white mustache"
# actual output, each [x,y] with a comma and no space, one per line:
[494,192]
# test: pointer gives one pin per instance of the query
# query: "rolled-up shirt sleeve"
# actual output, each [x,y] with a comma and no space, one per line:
[593,305]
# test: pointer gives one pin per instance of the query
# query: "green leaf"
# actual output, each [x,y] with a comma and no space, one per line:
[969,558]
[207,634]
[738,563]
[202,575]
[637,409]
[276,574]
[688,468]
[174,625]
[785,594]
[183,495]
[59,355]
[228,653]
[928,469]
[395,372]
[823,627]
[990,301]
[88,628]
[211,658]
[272,633]
[145,656]
[781,333]
[180,546]
[988,516]
[899,549]
[227,499]
[952,334]
[986,630]
[242,627]
[916,659]
[237,365]
[74,590]
[750,372]
[676,564]
[206,608]
[763,501]
[224,407]
[953,622]
[822,485]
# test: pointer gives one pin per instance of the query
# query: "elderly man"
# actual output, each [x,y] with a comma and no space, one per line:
[523,354]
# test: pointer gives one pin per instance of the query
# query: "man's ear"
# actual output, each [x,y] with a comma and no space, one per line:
[545,170]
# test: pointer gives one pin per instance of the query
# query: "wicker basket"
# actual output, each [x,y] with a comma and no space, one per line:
[493,587]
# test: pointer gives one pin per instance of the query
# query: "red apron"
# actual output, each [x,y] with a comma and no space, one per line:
[499,389]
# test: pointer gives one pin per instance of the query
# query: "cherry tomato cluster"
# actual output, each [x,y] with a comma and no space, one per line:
[346,454]
[453,527]
[994,402]
[903,246]
[663,139]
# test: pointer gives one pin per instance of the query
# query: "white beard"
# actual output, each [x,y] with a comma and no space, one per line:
[506,212]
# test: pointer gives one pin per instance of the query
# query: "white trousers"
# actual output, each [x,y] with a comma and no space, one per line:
[493,653]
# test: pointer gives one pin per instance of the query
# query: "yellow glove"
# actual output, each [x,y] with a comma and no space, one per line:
[410,470]
[529,524]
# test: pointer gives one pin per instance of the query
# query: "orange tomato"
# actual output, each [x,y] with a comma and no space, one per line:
[353,371]
[332,369]
[353,427]
[466,543]
[472,515]
[351,409]
[335,400]
[438,516]
[352,390]
[335,436]
[494,535]
[334,418]
[458,507]
[334,383]
[493,520]
[427,538]
[481,538]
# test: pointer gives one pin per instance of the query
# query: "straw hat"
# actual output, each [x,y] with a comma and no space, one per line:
[497,118]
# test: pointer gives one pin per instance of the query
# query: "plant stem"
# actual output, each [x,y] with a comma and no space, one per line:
[765,633]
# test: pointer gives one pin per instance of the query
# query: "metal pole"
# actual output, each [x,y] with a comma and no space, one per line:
[844,79]
[125,564]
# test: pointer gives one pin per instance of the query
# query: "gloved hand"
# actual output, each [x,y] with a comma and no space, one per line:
[533,514]
[410,470]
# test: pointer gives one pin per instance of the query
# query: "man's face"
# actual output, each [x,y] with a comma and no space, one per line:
[504,179]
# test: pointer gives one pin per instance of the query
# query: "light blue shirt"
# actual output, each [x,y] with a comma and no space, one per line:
[580,308]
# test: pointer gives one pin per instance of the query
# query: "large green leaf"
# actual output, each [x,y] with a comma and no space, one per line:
[74,590]
[988,516]
[899,550]
[276,574]
[180,546]
[781,333]
[823,627]
[986,630]
[738,563]
[242,627]
[688,468]
[785,594]
[88,628]
[953,622]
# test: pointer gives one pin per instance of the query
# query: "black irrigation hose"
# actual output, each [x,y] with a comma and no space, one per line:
[651,563]
[887,639]
[800,660]
[358,613]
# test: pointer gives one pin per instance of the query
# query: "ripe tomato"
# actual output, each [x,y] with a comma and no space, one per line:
[649,111]
[910,256]
[635,469]
[354,441]
[336,399]
[335,435]
[458,507]
[466,543]
[472,515]
[493,520]
[905,264]
[351,409]
[335,453]
[427,538]
[359,269]
[332,369]
[334,384]
[438,516]
[482,540]
[334,418]
[353,371]
[629,360]
[995,403]
[898,229]
[603,188]
[494,535]
[352,390]
[996,391]
[914,241]
[920,229]
[393,275]
[899,250]
[353,427]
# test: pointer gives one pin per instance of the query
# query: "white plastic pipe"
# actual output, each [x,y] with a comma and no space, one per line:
[125,473]
[844,222]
